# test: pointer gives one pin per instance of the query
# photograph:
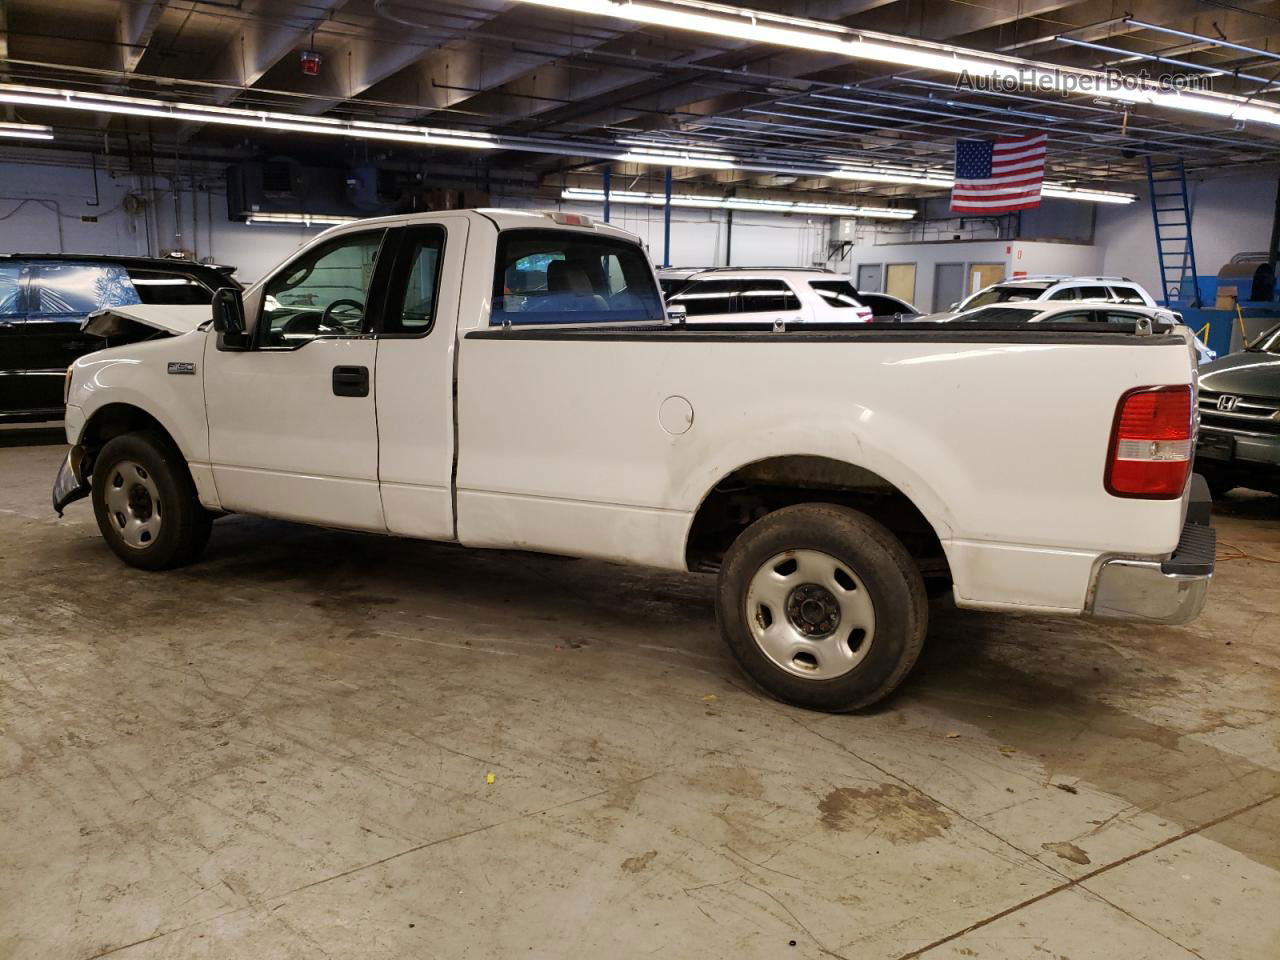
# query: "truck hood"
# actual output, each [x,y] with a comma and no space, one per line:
[176,320]
[1248,374]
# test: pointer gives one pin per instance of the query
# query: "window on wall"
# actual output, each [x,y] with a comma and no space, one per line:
[566,276]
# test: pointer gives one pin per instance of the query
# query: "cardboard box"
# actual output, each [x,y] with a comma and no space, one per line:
[1226,298]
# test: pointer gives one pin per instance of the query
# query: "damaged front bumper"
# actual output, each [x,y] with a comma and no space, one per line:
[70,484]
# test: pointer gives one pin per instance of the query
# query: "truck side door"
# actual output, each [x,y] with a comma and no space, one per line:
[414,403]
[292,426]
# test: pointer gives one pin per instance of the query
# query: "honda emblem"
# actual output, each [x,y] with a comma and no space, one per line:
[1227,402]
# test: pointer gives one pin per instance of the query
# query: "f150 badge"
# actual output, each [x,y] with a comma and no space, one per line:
[181,367]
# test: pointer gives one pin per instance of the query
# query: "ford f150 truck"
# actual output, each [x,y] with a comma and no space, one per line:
[511,379]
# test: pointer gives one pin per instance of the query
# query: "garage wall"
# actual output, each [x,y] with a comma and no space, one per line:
[1016,256]
[700,238]
[50,208]
[1229,215]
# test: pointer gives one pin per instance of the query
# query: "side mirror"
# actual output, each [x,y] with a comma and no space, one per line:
[677,314]
[228,319]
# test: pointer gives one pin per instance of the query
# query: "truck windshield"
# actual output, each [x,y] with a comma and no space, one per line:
[567,276]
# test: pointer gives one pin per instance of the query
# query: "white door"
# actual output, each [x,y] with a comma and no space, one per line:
[292,426]
[416,345]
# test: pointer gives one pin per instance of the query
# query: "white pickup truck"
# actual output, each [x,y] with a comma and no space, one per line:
[510,379]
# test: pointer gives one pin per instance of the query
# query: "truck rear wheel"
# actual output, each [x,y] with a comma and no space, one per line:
[822,606]
[146,504]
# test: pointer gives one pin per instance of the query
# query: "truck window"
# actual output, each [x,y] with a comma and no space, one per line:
[322,293]
[157,286]
[707,298]
[563,276]
[78,289]
[411,307]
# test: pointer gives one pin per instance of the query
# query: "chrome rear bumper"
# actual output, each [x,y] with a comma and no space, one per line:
[1160,591]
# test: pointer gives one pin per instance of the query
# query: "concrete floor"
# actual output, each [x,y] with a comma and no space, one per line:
[284,751]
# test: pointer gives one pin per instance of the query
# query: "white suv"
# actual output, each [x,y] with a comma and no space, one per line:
[1052,287]
[770,295]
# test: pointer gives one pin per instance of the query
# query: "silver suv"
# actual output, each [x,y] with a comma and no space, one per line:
[1052,287]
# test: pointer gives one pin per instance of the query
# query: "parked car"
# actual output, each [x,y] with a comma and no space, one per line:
[767,296]
[386,378]
[1040,311]
[45,299]
[885,307]
[1051,287]
[1239,443]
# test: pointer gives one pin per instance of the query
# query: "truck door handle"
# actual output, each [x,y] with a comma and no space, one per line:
[350,381]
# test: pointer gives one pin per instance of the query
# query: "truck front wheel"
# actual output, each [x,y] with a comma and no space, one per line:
[146,504]
[822,606]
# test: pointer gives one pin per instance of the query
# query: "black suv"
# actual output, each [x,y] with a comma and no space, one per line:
[45,297]
[1240,418]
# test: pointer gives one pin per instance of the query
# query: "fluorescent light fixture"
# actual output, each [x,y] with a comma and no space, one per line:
[265,120]
[26,131]
[935,178]
[304,219]
[927,178]
[1065,192]
[585,195]
[758,26]
[663,158]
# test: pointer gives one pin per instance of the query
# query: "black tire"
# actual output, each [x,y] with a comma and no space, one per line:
[1219,484]
[875,557]
[184,524]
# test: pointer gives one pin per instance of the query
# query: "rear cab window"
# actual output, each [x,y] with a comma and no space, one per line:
[571,276]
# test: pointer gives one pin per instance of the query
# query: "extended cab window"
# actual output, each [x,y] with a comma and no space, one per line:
[837,293]
[323,293]
[566,276]
[418,263]
[76,289]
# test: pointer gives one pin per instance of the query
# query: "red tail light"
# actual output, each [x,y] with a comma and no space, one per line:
[1150,453]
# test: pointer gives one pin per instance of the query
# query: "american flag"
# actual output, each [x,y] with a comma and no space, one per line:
[998,176]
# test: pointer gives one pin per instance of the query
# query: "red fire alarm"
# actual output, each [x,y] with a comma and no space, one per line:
[311,63]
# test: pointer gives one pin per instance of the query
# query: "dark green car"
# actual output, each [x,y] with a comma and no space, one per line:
[1239,443]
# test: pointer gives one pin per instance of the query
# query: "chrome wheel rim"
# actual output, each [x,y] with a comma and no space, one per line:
[810,614]
[133,504]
